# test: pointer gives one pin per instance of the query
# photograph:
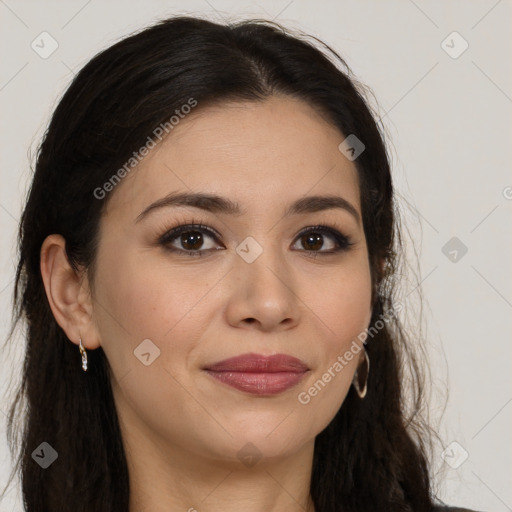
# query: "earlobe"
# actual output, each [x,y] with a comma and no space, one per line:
[64,291]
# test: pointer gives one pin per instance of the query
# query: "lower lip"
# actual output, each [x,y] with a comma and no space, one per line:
[259,383]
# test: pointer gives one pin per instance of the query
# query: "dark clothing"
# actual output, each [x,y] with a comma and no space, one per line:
[444,508]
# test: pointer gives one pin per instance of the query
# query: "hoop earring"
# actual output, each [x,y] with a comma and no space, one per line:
[360,381]
[84,356]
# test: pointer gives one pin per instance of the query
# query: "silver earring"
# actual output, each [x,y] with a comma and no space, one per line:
[84,356]
[360,380]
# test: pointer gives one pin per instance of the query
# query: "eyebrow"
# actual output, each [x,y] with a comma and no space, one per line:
[217,204]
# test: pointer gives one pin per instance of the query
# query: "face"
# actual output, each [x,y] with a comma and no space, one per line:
[263,282]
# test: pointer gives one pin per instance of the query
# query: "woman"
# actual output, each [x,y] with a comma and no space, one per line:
[206,268]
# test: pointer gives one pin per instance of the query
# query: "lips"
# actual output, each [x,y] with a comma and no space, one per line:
[258,374]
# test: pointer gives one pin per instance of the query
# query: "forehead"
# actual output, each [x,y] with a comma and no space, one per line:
[261,154]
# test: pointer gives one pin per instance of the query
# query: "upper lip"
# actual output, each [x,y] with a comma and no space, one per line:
[259,363]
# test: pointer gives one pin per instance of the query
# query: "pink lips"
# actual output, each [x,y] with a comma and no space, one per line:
[258,374]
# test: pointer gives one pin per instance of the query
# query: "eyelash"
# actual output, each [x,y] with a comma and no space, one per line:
[344,242]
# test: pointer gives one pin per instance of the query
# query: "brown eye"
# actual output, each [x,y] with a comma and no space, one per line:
[315,238]
[198,240]
[192,240]
[312,242]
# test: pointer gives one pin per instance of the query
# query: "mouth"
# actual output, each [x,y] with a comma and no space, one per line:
[260,375]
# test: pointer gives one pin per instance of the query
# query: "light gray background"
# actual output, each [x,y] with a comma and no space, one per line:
[449,121]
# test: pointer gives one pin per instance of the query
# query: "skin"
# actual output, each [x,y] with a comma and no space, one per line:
[182,429]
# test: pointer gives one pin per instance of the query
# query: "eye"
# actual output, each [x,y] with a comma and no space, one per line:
[198,239]
[313,239]
[190,239]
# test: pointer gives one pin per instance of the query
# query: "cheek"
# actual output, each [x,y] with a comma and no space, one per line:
[140,298]
[342,303]
[149,321]
[144,296]
[346,310]
[342,313]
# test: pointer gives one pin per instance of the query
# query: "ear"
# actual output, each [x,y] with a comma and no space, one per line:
[68,293]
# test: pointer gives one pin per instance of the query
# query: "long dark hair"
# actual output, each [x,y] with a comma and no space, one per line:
[371,456]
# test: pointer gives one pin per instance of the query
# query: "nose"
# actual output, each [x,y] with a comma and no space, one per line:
[262,294]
